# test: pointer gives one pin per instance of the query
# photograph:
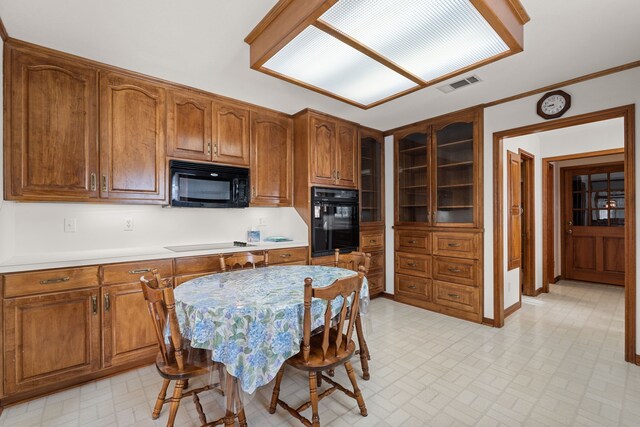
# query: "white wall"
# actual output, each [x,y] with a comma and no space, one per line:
[604,135]
[605,92]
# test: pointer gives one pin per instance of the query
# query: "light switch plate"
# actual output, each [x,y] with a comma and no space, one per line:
[69,225]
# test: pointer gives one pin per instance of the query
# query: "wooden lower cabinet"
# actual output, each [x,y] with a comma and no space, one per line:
[50,338]
[413,287]
[127,330]
[288,256]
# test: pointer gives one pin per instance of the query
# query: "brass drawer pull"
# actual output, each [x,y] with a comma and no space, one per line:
[373,241]
[411,264]
[56,280]
[413,242]
[285,256]
[107,302]
[140,271]
[454,270]
[454,245]
[454,296]
[412,287]
[94,304]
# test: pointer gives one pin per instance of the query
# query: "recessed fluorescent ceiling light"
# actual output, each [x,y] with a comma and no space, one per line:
[366,52]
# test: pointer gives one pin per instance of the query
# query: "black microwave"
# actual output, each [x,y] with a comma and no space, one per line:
[201,185]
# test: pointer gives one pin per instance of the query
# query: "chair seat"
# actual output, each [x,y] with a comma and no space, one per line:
[316,361]
[197,362]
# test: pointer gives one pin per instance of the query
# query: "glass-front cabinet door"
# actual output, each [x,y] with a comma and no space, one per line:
[413,166]
[371,178]
[454,177]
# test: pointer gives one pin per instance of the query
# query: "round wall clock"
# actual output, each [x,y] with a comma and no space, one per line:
[553,104]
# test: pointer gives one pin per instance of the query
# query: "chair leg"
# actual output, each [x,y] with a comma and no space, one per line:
[175,402]
[313,391]
[229,418]
[364,350]
[160,400]
[221,377]
[356,390]
[319,379]
[276,391]
[242,419]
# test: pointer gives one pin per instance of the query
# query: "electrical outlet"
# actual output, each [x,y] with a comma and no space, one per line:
[69,225]
[128,224]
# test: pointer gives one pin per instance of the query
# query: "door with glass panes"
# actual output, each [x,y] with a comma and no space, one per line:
[593,219]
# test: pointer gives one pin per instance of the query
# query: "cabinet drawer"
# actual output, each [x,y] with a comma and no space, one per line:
[457,270]
[130,272]
[377,261]
[285,256]
[197,264]
[457,296]
[327,260]
[414,287]
[371,241]
[456,244]
[39,282]
[376,284]
[413,241]
[413,265]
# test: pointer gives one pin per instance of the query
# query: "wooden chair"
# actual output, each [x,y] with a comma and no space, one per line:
[353,261]
[325,350]
[178,361]
[243,259]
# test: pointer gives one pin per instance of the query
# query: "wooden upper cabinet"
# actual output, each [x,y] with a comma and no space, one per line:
[322,139]
[347,156]
[271,159]
[52,146]
[230,134]
[132,138]
[189,131]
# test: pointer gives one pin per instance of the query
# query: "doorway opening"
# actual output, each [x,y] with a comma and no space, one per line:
[504,278]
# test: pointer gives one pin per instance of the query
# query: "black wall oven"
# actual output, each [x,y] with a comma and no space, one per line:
[202,185]
[335,220]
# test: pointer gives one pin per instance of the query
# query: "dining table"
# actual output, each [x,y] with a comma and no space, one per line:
[252,319]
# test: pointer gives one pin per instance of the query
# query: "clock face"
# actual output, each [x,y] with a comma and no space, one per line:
[553,104]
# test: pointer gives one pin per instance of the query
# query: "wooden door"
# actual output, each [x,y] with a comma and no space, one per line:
[132,139]
[514,205]
[594,217]
[52,149]
[189,125]
[322,139]
[347,156]
[128,332]
[271,159]
[230,134]
[50,338]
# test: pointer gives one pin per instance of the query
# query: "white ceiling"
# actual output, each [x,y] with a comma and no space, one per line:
[201,43]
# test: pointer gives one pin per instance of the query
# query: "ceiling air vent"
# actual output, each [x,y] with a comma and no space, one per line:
[459,84]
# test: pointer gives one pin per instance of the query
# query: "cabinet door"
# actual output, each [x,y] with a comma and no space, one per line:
[230,134]
[189,126]
[347,156]
[128,332]
[132,141]
[50,338]
[52,149]
[371,177]
[271,160]
[413,177]
[322,139]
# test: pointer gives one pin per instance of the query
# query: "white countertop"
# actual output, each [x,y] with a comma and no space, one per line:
[109,256]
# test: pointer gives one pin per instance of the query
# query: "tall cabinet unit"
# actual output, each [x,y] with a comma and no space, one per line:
[438,222]
[372,206]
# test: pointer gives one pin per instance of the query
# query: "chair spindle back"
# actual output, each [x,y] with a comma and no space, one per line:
[353,261]
[241,260]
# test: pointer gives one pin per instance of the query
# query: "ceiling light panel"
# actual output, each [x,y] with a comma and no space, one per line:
[319,60]
[428,38]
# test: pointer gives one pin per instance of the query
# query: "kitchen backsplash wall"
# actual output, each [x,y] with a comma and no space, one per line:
[28,229]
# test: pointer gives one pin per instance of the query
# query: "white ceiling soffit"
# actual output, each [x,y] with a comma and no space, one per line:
[201,43]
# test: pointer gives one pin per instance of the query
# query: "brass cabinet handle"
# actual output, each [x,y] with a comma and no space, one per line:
[107,302]
[253,191]
[93,181]
[55,280]
[372,241]
[413,242]
[454,296]
[412,286]
[285,256]
[338,174]
[209,148]
[411,264]
[215,149]
[454,270]
[142,270]
[454,245]
[94,304]
[104,182]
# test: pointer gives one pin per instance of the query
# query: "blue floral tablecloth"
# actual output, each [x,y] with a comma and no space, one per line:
[251,320]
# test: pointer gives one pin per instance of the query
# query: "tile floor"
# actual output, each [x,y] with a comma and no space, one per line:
[558,361]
